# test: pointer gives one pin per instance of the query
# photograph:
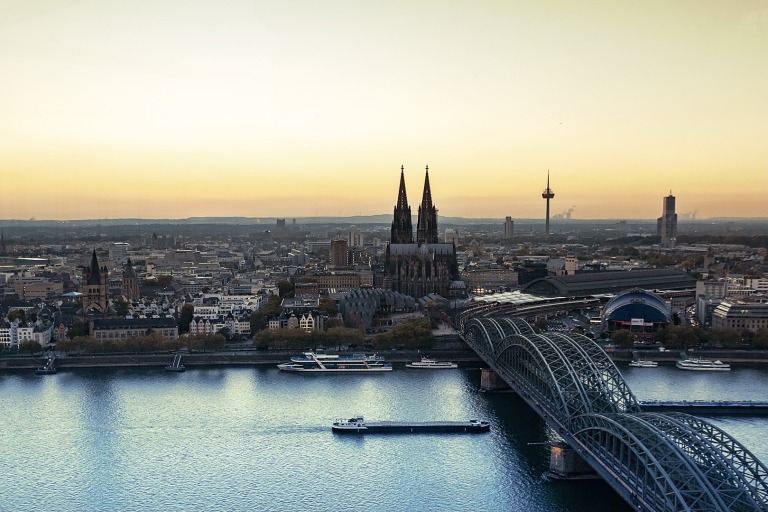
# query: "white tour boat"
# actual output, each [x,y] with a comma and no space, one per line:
[702,365]
[643,363]
[427,362]
[312,362]
[310,357]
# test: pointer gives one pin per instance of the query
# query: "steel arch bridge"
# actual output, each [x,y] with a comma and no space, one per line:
[659,462]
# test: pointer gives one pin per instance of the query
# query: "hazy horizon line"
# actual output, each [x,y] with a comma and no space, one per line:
[290,219]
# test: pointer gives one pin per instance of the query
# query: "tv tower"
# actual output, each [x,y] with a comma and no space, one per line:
[547,194]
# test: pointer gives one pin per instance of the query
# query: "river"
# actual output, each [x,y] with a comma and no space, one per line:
[260,439]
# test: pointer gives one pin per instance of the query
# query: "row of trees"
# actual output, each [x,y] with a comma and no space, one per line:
[412,335]
[152,342]
[684,337]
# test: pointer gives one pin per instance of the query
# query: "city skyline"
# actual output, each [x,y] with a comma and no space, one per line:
[177,109]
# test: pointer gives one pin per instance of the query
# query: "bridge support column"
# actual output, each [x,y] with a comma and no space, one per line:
[490,381]
[565,463]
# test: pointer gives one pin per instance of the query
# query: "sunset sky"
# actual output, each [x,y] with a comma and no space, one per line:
[180,108]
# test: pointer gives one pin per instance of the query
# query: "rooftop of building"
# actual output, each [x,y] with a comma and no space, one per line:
[591,283]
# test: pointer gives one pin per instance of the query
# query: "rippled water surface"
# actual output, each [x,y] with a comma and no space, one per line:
[741,383]
[260,439]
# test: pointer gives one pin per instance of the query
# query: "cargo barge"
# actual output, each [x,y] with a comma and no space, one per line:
[358,425]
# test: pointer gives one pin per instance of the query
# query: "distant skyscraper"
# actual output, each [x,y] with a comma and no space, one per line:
[509,226]
[666,225]
[339,249]
[547,194]
[355,238]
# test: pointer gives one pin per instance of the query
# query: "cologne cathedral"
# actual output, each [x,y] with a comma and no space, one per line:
[423,265]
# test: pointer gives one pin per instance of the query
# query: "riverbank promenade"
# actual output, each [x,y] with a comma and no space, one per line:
[251,357]
[223,358]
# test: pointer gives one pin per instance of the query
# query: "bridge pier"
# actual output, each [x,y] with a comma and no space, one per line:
[490,381]
[566,464]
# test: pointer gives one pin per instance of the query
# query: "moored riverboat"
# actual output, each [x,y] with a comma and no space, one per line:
[699,364]
[430,363]
[643,363]
[310,357]
[341,364]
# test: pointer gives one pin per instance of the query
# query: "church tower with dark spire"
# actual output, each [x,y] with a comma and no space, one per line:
[95,280]
[426,226]
[130,283]
[402,229]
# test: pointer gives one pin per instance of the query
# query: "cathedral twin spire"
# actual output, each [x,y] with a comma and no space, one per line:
[426,225]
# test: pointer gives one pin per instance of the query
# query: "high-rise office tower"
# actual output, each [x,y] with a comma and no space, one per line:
[666,225]
[338,256]
[509,226]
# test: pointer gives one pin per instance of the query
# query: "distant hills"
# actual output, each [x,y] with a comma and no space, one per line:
[355,219]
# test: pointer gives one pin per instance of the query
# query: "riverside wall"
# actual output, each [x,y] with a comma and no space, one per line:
[726,356]
[224,358]
[255,358]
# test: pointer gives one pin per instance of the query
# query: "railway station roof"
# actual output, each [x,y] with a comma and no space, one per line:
[596,283]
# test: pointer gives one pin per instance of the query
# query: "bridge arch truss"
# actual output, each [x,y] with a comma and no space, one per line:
[664,462]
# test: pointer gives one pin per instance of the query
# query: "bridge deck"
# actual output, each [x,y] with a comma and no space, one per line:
[708,407]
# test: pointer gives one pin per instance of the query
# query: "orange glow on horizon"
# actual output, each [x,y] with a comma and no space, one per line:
[271,110]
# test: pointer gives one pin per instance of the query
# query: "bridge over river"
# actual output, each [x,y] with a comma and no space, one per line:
[656,461]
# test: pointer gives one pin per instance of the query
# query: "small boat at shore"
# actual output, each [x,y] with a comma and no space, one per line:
[358,425]
[429,363]
[698,364]
[643,363]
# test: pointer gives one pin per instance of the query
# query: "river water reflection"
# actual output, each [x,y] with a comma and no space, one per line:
[260,439]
